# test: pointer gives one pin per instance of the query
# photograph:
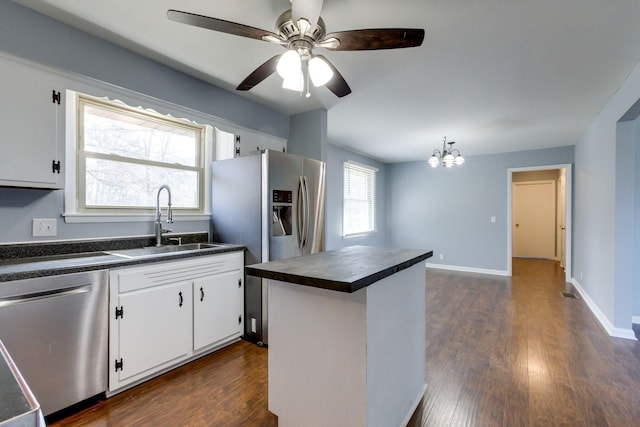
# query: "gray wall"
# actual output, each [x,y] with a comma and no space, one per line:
[308,134]
[624,218]
[449,210]
[636,224]
[336,156]
[35,37]
[600,186]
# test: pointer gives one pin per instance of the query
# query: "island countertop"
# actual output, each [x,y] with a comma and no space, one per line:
[344,270]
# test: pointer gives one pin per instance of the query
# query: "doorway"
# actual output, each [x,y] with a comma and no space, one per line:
[540,212]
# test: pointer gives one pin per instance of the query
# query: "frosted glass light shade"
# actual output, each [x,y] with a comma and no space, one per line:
[433,161]
[294,82]
[289,64]
[319,71]
[459,160]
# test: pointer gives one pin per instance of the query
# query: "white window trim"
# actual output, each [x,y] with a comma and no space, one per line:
[71,213]
[375,213]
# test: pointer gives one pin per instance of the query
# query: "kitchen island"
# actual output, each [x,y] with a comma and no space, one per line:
[346,336]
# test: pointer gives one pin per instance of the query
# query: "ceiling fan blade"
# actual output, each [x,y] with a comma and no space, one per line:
[372,39]
[259,74]
[307,9]
[338,85]
[220,25]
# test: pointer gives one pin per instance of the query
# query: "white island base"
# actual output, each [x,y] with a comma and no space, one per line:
[347,359]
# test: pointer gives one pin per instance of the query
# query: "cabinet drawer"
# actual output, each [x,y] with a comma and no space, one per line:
[165,272]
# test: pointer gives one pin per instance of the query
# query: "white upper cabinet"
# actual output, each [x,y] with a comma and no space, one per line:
[31,126]
[243,142]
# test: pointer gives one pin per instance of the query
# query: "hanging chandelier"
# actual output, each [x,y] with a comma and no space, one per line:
[448,157]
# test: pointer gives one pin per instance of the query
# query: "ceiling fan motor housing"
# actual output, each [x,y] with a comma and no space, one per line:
[290,31]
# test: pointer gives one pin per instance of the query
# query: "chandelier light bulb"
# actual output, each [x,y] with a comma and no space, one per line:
[433,161]
[460,160]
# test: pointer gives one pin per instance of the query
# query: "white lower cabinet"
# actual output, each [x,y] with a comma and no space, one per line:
[163,314]
[216,301]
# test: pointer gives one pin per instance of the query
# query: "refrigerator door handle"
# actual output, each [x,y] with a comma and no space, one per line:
[300,214]
[307,213]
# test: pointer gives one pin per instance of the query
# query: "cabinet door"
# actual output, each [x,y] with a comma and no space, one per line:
[31,126]
[253,142]
[155,329]
[217,309]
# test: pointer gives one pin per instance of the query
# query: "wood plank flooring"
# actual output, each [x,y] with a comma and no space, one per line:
[500,352]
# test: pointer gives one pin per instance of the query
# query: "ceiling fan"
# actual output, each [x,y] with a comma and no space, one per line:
[300,30]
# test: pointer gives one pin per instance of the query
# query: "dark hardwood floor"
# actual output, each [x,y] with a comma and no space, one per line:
[500,352]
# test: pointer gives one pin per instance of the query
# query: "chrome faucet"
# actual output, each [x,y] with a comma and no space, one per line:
[158,223]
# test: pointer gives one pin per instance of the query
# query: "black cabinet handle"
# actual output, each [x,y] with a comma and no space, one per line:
[181,299]
[201,294]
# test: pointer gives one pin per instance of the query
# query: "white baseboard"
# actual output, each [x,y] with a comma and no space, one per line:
[606,324]
[467,269]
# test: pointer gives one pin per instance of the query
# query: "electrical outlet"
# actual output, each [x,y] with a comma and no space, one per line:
[254,328]
[493,220]
[441,256]
[44,227]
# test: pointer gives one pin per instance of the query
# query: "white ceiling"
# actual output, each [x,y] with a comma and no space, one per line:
[493,75]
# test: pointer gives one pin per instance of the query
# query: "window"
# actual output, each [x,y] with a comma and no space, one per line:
[359,207]
[124,154]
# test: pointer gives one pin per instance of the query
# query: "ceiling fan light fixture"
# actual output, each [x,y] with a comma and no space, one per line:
[301,29]
[294,82]
[289,65]
[319,71]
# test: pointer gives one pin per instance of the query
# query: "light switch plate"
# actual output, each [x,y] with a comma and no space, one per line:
[44,227]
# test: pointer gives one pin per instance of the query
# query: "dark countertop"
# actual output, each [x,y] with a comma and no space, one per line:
[344,270]
[51,265]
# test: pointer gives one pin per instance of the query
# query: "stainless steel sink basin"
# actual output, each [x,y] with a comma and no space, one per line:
[150,251]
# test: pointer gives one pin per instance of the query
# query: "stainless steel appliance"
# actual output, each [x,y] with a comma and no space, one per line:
[273,203]
[55,329]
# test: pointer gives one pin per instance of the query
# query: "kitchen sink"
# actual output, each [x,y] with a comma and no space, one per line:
[150,251]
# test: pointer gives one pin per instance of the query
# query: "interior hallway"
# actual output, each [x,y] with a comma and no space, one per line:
[500,352]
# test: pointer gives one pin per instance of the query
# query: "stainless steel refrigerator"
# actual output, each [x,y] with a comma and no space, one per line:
[273,203]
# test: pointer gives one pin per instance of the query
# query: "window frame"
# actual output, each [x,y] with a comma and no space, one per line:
[372,179]
[74,208]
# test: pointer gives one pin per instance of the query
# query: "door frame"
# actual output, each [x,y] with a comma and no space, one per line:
[568,268]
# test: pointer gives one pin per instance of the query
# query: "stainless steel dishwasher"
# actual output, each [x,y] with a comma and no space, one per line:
[55,329]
